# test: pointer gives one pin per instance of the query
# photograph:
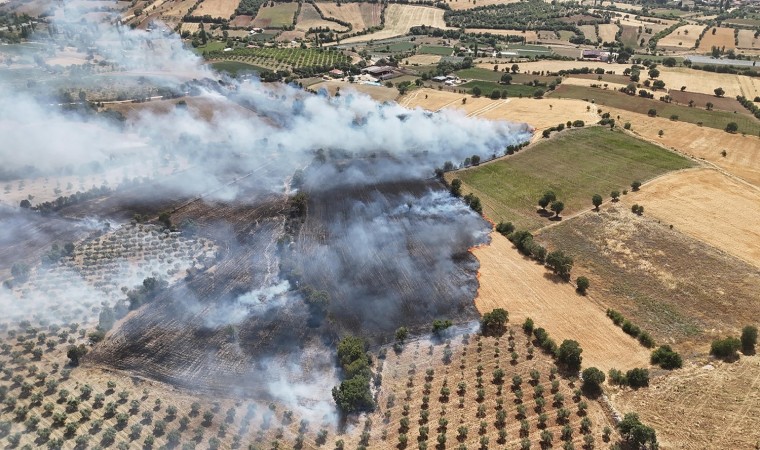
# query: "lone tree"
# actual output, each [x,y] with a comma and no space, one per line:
[546,199]
[597,201]
[582,284]
[75,353]
[592,380]
[749,339]
[493,323]
[635,185]
[732,127]
[557,207]
[456,187]
[636,433]
[615,195]
[719,92]
[476,91]
[569,354]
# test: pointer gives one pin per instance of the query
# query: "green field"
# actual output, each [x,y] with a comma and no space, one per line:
[211,46]
[575,165]
[714,119]
[278,16]
[513,90]
[476,73]
[235,67]
[436,50]
[395,47]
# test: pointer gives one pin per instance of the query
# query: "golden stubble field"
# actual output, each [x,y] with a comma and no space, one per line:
[709,206]
[706,404]
[399,19]
[526,289]
[723,38]
[222,9]
[682,38]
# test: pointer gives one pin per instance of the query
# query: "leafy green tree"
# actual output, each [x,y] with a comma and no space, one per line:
[493,323]
[506,78]
[732,127]
[666,358]
[582,284]
[569,354]
[596,200]
[719,92]
[638,377]
[636,185]
[636,433]
[456,187]
[749,339]
[615,195]
[557,207]
[476,91]
[725,348]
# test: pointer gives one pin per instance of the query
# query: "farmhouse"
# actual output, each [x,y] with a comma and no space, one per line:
[336,73]
[380,72]
[595,55]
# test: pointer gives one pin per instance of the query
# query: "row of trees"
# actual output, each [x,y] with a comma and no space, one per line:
[628,327]
[353,394]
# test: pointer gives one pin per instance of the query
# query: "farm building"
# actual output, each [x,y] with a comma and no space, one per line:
[595,55]
[380,72]
[336,73]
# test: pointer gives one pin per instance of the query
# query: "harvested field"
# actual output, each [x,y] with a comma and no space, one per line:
[705,405]
[290,35]
[608,31]
[310,18]
[526,289]
[241,21]
[422,60]
[678,289]
[222,9]
[192,27]
[723,38]
[742,152]
[709,206]
[748,41]
[706,82]
[400,18]
[529,35]
[556,66]
[457,5]
[714,119]
[589,31]
[577,81]
[576,164]
[682,38]
[729,104]
[423,369]
[379,93]
[347,12]
[177,9]
[371,13]
[277,16]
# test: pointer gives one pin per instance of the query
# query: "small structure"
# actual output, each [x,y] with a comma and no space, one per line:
[440,79]
[256,30]
[595,55]
[336,73]
[380,72]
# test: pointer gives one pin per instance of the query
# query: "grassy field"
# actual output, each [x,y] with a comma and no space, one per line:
[713,119]
[575,165]
[513,90]
[479,74]
[436,50]
[277,16]
[211,46]
[235,67]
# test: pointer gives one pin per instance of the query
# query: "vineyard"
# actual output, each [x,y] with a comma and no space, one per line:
[284,58]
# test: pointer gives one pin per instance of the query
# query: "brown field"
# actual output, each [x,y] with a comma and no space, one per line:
[536,113]
[683,38]
[526,289]
[705,405]
[241,21]
[607,32]
[177,9]
[634,22]
[678,289]
[743,152]
[400,18]
[729,104]
[709,206]
[290,35]
[578,81]
[706,82]
[589,31]
[457,5]
[347,12]
[192,27]
[217,8]
[723,37]
[310,18]
[371,13]
[747,40]
[379,93]
[529,35]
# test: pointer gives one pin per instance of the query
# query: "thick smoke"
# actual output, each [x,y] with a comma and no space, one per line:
[349,143]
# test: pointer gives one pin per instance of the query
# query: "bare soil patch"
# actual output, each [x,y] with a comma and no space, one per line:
[556,66]
[526,289]
[723,38]
[217,8]
[682,38]
[706,405]
[422,59]
[709,206]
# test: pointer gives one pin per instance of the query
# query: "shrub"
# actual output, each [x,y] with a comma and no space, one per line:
[505,228]
[646,340]
[583,284]
[638,377]
[725,348]
[749,339]
[578,124]
[592,378]
[528,325]
[666,358]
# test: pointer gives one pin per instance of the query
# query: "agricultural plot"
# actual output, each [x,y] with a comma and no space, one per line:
[676,288]
[576,164]
[371,13]
[469,4]
[436,50]
[742,152]
[747,40]
[528,35]
[422,60]
[709,206]
[309,18]
[682,38]
[713,119]
[551,66]
[222,9]
[706,82]
[722,38]
[347,12]
[589,32]
[179,9]
[399,19]
[286,57]
[722,398]
[608,32]
[487,87]
[379,93]
[436,391]
[277,16]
